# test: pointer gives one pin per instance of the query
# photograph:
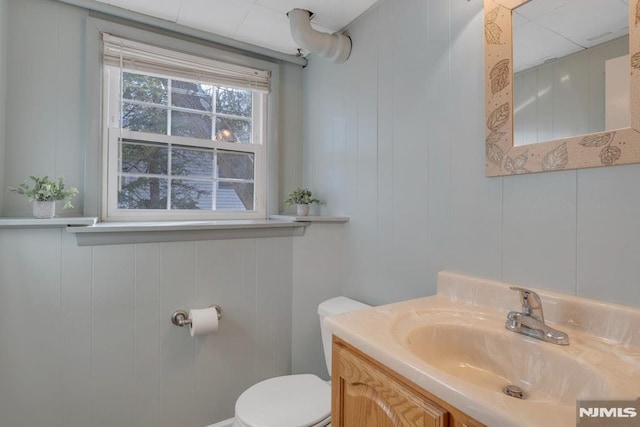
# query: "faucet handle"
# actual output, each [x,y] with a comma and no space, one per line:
[531,302]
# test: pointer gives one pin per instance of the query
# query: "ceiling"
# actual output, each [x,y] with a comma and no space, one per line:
[543,29]
[548,29]
[259,22]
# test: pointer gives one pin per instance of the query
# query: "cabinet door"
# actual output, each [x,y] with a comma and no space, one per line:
[366,396]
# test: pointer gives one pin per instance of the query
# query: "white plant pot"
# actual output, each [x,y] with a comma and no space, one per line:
[302,210]
[44,209]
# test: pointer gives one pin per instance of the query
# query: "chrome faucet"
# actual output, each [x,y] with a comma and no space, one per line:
[531,321]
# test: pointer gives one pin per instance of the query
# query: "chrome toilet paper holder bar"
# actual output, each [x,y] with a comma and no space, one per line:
[181,317]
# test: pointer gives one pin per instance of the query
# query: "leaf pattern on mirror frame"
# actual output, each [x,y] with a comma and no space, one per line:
[609,155]
[492,31]
[635,60]
[494,137]
[516,166]
[494,154]
[499,76]
[597,140]
[556,159]
[498,117]
[492,15]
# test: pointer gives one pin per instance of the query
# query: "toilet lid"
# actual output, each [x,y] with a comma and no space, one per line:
[288,401]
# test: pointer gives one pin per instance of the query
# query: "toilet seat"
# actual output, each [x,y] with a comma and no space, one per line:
[288,401]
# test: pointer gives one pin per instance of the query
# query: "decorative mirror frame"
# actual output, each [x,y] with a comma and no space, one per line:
[608,148]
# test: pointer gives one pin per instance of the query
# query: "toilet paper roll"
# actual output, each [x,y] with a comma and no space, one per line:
[203,321]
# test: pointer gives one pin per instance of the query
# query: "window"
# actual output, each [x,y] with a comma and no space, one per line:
[184,135]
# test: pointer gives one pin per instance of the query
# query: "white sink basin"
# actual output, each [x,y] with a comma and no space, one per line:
[483,352]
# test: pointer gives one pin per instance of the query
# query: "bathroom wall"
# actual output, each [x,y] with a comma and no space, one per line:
[317,276]
[395,137]
[55,105]
[85,332]
[86,337]
[45,98]
[3,89]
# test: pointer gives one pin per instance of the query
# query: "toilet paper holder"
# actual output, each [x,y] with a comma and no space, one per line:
[181,317]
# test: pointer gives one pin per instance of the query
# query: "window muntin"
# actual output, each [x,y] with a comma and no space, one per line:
[182,108]
[185,149]
[176,177]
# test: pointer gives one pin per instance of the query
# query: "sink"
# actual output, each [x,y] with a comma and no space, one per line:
[455,346]
[482,352]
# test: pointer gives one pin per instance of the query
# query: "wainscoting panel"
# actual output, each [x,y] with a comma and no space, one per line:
[86,337]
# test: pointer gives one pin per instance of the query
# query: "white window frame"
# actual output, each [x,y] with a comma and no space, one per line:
[112,105]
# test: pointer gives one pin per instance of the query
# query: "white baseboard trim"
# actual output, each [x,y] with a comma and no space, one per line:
[225,423]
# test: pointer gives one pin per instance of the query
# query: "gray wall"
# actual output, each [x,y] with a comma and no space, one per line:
[86,337]
[85,334]
[394,138]
[3,90]
[55,105]
[317,276]
[45,96]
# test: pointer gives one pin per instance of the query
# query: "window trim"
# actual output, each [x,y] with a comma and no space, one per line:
[261,129]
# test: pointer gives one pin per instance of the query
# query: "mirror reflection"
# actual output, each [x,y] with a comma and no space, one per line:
[571,65]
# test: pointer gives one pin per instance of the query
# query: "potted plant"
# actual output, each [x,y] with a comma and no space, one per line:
[44,194]
[302,198]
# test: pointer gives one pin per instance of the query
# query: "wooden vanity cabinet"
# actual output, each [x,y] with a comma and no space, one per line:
[365,393]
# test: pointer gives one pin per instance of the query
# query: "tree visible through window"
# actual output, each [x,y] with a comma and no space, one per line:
[154,175]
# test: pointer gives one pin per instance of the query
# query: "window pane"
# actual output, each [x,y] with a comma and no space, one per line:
[236,102]
[143,88]
[142,193]
[234,196]
[143,158]
[192,95]
[188,162]
[189,194]
[233,130]
[190,125]
[235,165]
[144,119]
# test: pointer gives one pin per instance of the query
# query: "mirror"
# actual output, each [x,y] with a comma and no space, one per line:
[574,147]
[564,57]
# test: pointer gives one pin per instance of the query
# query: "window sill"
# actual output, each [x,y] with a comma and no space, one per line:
[115,233]
[311,218]
[58,222]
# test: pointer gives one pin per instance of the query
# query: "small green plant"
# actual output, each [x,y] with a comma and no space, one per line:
[301,196]
[44,190]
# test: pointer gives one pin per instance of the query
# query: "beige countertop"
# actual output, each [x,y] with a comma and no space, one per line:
[465,321]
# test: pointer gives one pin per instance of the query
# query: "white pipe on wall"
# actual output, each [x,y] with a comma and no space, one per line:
[336,47]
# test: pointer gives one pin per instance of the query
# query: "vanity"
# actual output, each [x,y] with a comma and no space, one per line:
[447,359]
[368,393]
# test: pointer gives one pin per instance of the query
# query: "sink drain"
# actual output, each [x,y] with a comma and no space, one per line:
[514,391]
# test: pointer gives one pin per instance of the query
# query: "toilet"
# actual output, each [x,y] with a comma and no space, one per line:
[294,400]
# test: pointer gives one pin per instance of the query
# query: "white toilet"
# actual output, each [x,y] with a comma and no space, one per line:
[294,400]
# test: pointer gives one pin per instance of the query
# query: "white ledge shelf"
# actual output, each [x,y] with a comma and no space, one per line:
[115,233]
[47,223]
[311,218]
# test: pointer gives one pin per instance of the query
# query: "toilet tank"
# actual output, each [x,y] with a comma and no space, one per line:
[331,307]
